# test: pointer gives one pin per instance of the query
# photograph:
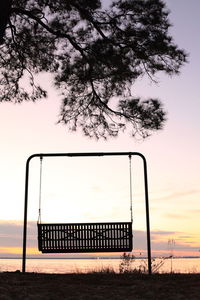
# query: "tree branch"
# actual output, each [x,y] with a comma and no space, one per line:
[90,19]
[57,33]
[5,9]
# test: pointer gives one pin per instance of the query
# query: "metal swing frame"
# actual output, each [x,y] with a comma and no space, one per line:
[85,237]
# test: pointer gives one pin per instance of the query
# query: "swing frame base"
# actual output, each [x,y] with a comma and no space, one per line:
[85,237]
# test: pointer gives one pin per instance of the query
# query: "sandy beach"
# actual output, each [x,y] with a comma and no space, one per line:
[99,286]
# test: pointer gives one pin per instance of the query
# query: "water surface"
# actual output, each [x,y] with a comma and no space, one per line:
[178,265]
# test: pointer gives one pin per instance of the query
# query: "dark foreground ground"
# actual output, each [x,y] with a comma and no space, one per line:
[99,286]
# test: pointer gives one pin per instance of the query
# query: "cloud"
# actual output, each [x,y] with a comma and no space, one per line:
[177,216]
[159,232]
[185,237]
[177,195]
[11,235]
[194,211]
[97,188]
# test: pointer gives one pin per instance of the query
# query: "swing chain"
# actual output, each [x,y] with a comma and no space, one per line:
[130,184]
[40,190]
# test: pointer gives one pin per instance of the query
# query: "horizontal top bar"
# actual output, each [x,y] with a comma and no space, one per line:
[93,223]
[85,154]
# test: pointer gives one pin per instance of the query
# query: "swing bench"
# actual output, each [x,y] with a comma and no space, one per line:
[85,237]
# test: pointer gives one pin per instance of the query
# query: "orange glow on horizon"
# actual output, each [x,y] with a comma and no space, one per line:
[136,252]
[17,250]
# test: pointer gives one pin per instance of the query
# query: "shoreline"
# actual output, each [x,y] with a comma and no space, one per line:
[102,258]
[81,265]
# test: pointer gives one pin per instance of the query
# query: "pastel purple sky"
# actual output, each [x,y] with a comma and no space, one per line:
[172,154]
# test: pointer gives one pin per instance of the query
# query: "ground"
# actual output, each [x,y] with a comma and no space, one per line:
[99,286]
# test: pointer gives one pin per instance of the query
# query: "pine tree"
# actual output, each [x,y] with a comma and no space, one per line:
[95,56]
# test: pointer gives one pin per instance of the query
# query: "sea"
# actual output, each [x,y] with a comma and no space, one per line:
[66,265]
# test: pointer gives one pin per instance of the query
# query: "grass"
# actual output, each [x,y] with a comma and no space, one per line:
[99,285]
[127,264]
[97,270]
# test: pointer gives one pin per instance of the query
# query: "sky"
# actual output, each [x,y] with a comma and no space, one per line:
[97,189]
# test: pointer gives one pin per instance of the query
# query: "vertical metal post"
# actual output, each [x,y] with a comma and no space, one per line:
[25,217]
[147,216]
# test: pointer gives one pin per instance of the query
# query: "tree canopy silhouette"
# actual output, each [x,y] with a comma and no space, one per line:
[95,55]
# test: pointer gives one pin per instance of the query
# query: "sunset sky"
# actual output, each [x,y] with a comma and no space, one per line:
[95,189]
